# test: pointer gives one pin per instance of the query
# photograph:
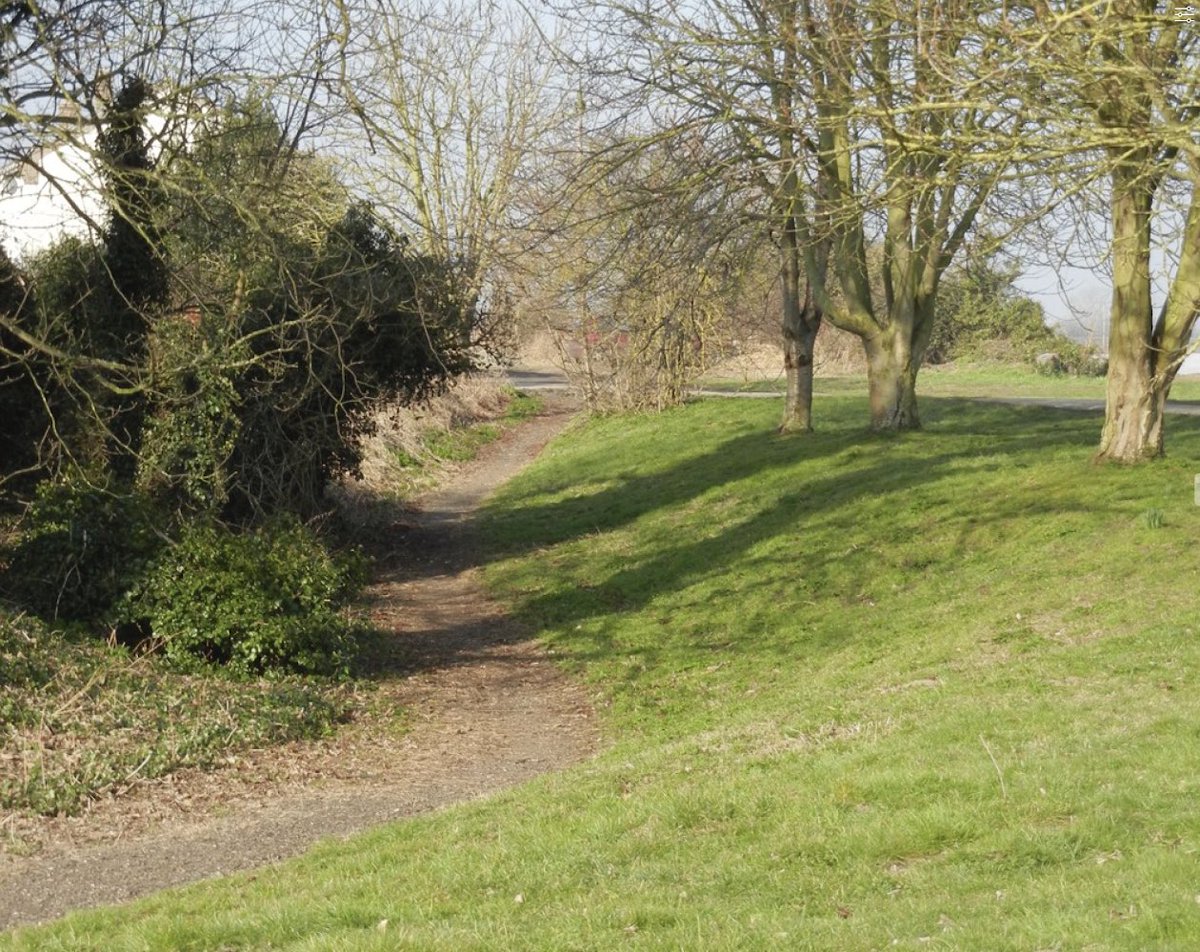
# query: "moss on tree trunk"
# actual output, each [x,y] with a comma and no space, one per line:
[798,368]
[891,381]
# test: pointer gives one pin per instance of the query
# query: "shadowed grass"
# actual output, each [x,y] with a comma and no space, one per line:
[863,692]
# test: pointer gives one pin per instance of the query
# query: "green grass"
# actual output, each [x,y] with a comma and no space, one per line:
[462,444]
[965,380]
[861,692]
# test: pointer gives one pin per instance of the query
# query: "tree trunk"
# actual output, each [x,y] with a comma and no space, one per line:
[891,381]
[798,342]
[801,321]
[1133,419]
[1136,393]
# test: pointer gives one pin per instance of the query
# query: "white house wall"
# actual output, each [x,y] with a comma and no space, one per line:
[66,198]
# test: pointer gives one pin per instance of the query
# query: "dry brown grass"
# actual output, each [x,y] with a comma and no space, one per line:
[399,461]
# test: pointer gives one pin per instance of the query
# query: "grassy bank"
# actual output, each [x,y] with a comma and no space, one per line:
[938,691]
[416,446]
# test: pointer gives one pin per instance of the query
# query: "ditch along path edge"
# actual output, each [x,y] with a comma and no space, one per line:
[466,705]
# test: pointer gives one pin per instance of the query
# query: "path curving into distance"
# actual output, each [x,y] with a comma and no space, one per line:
[485,710]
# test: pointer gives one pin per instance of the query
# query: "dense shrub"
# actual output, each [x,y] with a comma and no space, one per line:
[982,316]
[85,543]
[308,312]
[223,342]
[1068,357]
[217,352]
[360,321]
[23,414]
[193,428]
[980,312]
[267,600]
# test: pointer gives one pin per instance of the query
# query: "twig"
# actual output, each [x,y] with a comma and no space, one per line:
[127,783]
[999,773]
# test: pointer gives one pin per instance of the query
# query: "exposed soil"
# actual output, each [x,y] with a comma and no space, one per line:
[465,705]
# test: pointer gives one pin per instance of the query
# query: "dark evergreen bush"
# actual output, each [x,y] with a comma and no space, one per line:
[259,601]
[85,543]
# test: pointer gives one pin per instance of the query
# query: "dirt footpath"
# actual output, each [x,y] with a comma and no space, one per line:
[482,709]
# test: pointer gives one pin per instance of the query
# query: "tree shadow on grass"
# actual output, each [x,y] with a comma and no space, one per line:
[1001,429]
[818,533]
[794,533]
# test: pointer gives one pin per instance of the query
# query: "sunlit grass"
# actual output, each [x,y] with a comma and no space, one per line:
[861,692]
[964,380]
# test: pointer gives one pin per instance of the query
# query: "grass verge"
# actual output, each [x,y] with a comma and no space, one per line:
[937,691]
[964,380]
[414,463]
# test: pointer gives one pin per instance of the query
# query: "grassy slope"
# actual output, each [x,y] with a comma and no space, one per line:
[930,692]
[417,469]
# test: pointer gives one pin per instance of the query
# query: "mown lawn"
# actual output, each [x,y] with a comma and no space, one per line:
[965,380]
[937,691]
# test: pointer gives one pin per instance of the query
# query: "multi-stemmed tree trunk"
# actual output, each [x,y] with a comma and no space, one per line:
[1117,83]
[895,119]
[892,367]
[1134,404]
[801,317]
[840,116]
[1145,352]
[801,308]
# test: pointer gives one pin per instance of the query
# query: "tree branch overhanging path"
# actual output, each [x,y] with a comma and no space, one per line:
[486,710]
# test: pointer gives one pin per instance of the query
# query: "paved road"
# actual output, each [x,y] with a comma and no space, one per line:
[1085,404]
[522,378]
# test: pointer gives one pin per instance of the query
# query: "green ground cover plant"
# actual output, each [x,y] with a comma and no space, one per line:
[861,691]
[266,601]
[78,718]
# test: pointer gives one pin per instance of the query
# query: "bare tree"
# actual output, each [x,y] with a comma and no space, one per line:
[1116,86]
[452,101]
[636,278]
[724,73]
[860,124]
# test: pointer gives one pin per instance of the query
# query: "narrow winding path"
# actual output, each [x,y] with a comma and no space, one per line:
[483,708]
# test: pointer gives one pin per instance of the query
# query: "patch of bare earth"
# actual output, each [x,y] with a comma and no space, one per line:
[482,709]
